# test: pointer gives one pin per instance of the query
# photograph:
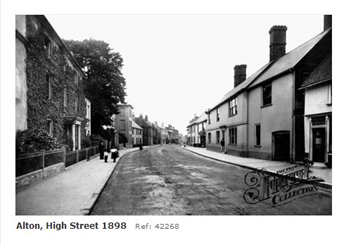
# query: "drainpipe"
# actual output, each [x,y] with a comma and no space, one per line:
[293,116]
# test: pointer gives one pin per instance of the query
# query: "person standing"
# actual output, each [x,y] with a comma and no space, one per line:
[101,150]
[222,145]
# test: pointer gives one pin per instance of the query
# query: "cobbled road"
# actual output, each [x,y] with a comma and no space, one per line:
[168,180]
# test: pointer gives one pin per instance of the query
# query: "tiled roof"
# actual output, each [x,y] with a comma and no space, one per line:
[241,86]
[135,125]
[323,72]
[289,60]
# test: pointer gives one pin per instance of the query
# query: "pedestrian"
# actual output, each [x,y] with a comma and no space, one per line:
[140,147]
[101,149]
[222,145]
[114,153]
[106,151]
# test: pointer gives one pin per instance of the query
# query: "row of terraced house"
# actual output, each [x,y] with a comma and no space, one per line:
[281,112]
[137,131]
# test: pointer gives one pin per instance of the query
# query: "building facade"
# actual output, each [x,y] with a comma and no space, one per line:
[147,129]
[123,124]
[318,113]
[137,134]
[197,131]
[263,115]
[49,83]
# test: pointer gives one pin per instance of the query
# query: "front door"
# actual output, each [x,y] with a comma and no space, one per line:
[318,145]
[281,146]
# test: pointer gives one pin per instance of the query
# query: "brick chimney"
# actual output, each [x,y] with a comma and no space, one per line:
[239,74]
[277,42]
[327,22]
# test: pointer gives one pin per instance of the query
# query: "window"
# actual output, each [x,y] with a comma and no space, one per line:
[208,118]
[50,126]
[267,95]
[258,135]
[48,47]
[218,137]
[122,125]
[49,86]
[217,114]
[209,138]
[65,97]
[232,108]
[76,78]
[329,99]
[233,136]
[76,103]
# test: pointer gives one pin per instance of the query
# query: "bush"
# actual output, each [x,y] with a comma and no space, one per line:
[95,139]
[33,140]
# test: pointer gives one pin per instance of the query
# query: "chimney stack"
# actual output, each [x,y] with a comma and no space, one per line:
[277,42]
[327,22]
[146,117]
[239,74]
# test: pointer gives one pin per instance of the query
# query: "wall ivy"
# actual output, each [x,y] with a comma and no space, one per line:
[39,69]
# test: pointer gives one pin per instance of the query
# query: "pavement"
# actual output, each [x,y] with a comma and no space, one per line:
[71,192]
[318,169]
[75,190]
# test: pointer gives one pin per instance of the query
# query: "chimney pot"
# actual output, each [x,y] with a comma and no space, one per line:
[327,22]
[277,42]
[239,74]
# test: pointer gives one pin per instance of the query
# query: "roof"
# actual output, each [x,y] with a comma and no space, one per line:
[125,105]
[201,118]
[240,87]
[135,125]
[289,60]
[46,24]
[322,73]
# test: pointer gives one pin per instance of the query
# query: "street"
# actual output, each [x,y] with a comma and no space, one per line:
[168,180]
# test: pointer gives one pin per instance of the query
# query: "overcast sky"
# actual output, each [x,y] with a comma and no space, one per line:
[176,66]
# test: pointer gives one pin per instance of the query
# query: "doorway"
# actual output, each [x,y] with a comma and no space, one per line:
[281,146]
[318,144]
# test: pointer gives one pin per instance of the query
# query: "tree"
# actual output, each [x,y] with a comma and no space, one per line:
[105,84]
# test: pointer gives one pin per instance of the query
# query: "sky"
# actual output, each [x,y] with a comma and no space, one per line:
[177,66]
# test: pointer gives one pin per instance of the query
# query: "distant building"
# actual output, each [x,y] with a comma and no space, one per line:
[164,134]
[147,129]
[197,131]
[123,125]
[137,134]
[49,83]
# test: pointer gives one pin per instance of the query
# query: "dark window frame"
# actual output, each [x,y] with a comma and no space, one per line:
[267,95]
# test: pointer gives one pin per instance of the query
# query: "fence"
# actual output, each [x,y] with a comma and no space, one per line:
[32,162]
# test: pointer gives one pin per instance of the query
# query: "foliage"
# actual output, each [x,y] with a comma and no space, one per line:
[95,139]
[61,75]
[86,142]
[33,140]
[105,84]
